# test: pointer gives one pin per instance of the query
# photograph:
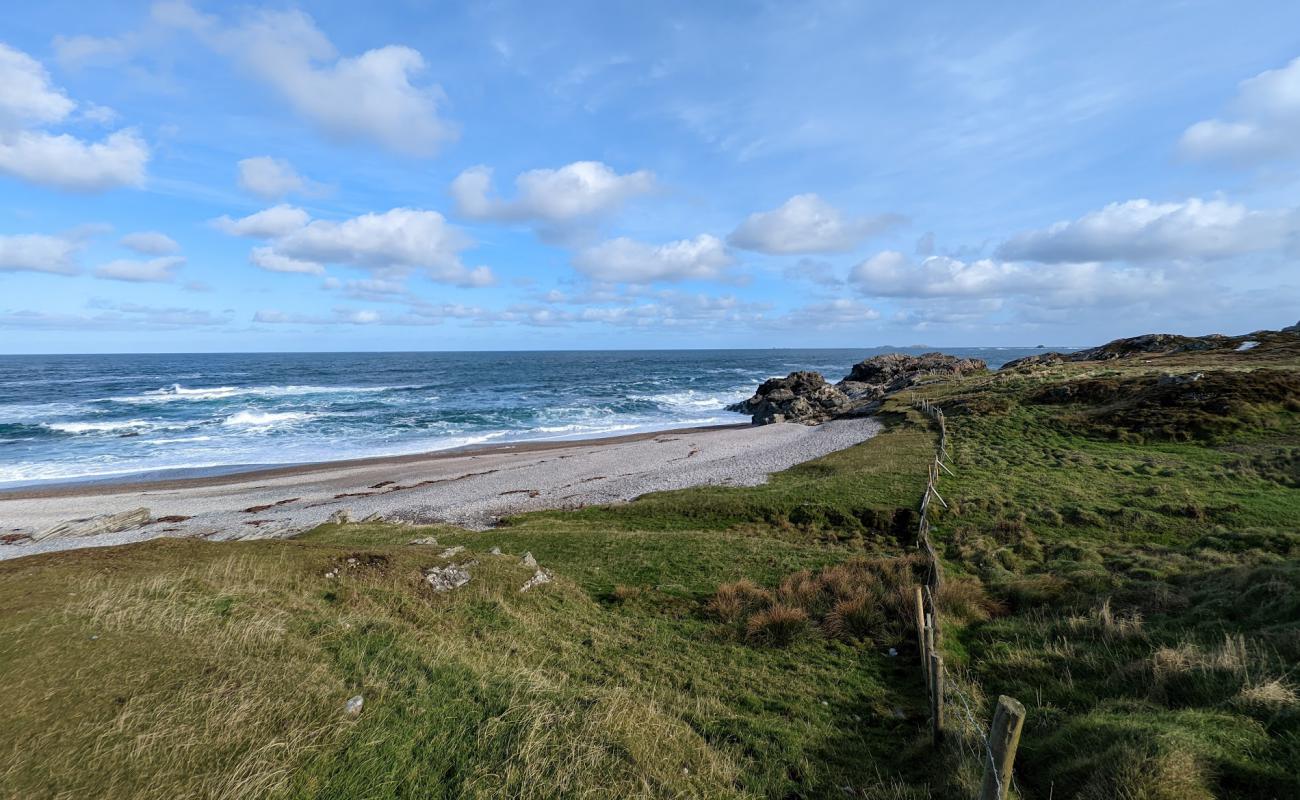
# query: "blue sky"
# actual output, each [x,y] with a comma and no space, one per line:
[189,176]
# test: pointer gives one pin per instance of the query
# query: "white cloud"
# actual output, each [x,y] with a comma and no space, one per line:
[840,312]
[1265,123]
[35,252]
[1140,230]
[397,240]
[113,316]
[807,224]
[625,260]
[66,162]
[268,259]
[26,95]
[580,189]
[28,102]
[893,274]
[265,224]
[150,243]
[369,96]
[269,178]
[154,270]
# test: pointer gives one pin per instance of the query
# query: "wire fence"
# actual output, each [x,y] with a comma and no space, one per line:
[955,699]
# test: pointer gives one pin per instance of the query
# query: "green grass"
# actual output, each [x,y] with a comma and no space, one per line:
[1132,577]
[246,653]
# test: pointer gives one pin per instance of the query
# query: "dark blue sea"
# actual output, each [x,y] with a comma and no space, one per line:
[81,417]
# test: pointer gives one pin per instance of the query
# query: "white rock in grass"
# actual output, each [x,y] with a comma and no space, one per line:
[340,517]
[496,551]
[529,561]
[353,707]
[539,577]
[424,540]
[444,579]
[451,551]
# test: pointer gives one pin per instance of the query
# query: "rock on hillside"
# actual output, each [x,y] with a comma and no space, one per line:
[876,377]
[1156,344]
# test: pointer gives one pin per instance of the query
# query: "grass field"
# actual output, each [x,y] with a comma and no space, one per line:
[1132,577]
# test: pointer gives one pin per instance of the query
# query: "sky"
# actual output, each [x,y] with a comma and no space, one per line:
[188,176]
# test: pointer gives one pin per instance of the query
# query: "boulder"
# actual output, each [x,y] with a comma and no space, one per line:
[799,397]
[444,579]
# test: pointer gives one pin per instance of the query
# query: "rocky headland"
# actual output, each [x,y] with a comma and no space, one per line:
[808,398]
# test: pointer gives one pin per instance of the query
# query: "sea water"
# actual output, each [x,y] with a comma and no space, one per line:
[79,417]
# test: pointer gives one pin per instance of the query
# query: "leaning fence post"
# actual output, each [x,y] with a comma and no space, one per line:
[1004,738]
[936,697]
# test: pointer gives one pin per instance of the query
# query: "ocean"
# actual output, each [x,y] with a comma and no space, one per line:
[83,417]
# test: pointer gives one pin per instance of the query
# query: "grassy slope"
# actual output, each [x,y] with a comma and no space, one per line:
[1120,557]
[181,668]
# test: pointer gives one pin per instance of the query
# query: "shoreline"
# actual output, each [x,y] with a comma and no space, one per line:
[471,488]
[239,473]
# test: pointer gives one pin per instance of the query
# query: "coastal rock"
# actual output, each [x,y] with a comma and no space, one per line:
[340,517]
[90,526]
[882,375]
[799,397]
[1292,328]
[1037,360]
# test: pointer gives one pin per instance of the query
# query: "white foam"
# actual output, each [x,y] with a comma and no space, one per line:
[178,392]
[258,419]
[98,427]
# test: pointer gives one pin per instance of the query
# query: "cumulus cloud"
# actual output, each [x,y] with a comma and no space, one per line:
[893,274]
[1142,230]
[269,178]
[394,242]
[150,243]
[265,224]
[1265,121]
[374,95]
[28,104]
[577,190]
[624,260]
[807,224]
[35,252]
[154,270]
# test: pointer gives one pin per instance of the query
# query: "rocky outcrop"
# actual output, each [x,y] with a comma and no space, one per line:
[799,397]
[1158,344]
[91,526]
[806,397]
[882,375]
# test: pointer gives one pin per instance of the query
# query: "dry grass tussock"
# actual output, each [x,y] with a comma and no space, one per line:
[859,600]
[1105,623]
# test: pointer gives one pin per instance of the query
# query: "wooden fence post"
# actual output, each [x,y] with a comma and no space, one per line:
[936,697]
[1004,738]
[920,636]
